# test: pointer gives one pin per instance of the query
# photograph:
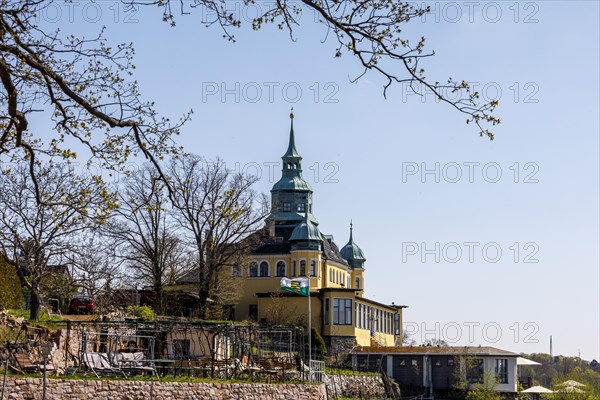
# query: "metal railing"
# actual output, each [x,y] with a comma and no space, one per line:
[317,370]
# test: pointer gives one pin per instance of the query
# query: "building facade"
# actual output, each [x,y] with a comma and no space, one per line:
[433,370]
[295,247]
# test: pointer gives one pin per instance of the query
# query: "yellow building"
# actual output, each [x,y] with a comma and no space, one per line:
[295,247]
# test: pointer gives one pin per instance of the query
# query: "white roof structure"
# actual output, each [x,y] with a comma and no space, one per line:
[537,389]
[524,361]
[571,383]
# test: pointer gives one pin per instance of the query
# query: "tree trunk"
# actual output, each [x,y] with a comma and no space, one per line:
[204,291]
[158,298]
[34,304]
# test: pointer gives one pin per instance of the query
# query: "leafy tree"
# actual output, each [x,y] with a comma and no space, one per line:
[481,392]
[83,84]
[11,295]
[36,236]
[89,100]
[142,230]
[219,210]
[97,269]
[318,344]
[372,31]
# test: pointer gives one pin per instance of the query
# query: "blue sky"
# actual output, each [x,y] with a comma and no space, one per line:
[364,155]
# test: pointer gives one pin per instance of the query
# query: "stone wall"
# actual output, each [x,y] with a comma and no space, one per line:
[71,389]
[360,386]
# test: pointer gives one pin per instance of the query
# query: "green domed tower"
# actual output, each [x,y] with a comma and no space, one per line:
[355,257]
[291,196]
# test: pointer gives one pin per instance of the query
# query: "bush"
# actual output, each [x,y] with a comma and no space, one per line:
[318,345]
[11,295]
[145,313]
[483,393]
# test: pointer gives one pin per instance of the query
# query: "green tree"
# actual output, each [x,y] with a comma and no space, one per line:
[11,295]
[90,99]
[219,211]
[38,233]
[318,345]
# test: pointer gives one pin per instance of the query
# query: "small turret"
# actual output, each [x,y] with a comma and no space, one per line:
[352,253]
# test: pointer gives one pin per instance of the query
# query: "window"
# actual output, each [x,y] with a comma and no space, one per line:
[181,349]
[264,269]
[414,362]
[476,371]
[330,275]
[294,268]
[253,269]
[450,362]
[253,312]
[302,267]
[326,312]
[342,311]
[402,362]
[301,207]
[236,270]
[438,362]
[396,324]
[357,282]
[502,370]
[280,269]
[313,267]
[287,206]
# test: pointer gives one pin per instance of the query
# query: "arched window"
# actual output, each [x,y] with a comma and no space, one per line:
[302,267]
[313,267]
[280,271]
[357,282]
[264,269]
[253,269]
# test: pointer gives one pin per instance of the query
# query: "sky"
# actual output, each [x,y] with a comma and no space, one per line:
[488,242]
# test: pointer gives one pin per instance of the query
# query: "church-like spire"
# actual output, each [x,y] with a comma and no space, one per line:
[291,151]
[291,191]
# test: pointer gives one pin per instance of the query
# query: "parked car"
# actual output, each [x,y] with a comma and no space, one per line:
[81,304]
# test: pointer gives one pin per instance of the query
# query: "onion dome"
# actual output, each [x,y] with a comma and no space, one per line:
[352,253]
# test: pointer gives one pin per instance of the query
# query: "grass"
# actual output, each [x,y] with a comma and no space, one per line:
[335,371]
[44,316]
[144,378]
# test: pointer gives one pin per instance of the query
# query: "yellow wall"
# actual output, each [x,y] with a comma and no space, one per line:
[294,309]
[360,273]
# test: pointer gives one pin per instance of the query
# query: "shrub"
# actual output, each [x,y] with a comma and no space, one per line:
[11,295]
[318,344]
[145,313]
[483,393]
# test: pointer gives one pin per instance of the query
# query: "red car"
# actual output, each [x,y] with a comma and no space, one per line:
[81,304]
